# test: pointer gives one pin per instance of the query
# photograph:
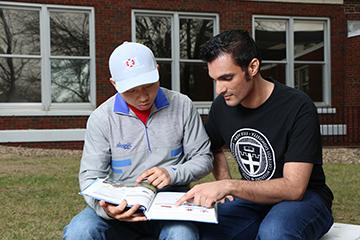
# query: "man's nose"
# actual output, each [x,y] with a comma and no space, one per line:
[219,87]
[143,95]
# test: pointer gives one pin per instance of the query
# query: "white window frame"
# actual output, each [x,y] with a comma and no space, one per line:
[175,44]
[290,59]
[45,107]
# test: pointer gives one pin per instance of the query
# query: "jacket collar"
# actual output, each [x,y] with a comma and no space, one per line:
[120,106]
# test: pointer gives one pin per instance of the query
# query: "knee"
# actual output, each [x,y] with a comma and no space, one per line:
[80,231]
[272,230]
[85,226]
[179,230]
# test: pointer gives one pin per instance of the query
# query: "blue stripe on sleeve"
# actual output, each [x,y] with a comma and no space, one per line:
[118,171]
[176,152]
[121,163]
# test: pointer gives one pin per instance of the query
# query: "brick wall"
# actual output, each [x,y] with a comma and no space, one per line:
[113,26]
[352,56]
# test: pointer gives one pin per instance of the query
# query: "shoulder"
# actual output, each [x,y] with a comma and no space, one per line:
[294,98]
[177,99]
[104,109]
[176,96]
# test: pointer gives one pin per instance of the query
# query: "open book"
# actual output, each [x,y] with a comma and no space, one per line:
[155,205]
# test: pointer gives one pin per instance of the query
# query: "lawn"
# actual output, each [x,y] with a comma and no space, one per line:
[40,193]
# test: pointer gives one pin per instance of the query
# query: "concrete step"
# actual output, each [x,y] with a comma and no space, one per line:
[342,231]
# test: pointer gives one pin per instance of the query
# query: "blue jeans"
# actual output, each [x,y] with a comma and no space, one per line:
[88,225]
[309,218]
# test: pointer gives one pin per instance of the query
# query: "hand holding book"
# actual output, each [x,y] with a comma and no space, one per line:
[160,206]
[122,212]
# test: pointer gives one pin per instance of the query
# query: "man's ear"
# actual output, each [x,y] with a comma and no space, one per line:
[253,67]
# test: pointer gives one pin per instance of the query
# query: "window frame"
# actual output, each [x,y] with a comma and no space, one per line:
[46,107]
[175,59]
[290,58]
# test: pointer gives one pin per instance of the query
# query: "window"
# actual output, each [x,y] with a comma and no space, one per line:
[175,38]
[296,52]
[46,58]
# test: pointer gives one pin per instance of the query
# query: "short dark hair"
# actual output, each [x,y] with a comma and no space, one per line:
[238,43]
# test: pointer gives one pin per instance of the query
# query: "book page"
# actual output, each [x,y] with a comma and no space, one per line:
[164,207]
[115,193]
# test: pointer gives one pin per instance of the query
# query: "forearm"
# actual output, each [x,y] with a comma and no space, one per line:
[221,168]
[191,169]
[266,192]
[291,186]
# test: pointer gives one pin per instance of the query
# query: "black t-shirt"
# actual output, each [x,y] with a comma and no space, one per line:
[283,129]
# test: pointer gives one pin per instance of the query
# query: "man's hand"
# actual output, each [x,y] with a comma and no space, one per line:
[157,176]
[120,213]
[205,194]
[229,198]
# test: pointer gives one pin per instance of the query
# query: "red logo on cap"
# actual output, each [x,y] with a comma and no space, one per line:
[130,62]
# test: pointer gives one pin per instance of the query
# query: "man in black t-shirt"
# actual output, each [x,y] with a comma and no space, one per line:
[273,133]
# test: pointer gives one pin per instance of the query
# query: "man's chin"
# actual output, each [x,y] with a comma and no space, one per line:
[144,107]
[231,103]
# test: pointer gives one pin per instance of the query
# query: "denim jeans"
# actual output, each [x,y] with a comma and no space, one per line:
[309,218]
[88,225]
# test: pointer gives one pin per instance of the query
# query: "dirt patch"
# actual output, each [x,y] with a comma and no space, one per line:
[6,152]
[341,155]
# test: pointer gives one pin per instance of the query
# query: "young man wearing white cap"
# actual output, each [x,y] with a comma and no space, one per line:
[144,132]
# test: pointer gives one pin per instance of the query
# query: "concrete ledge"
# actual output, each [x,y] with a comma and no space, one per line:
[342,231]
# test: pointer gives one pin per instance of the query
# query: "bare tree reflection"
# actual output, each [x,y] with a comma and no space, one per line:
[19,77]
[70,37]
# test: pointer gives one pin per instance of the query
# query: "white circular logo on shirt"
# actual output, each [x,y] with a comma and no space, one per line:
[253,153]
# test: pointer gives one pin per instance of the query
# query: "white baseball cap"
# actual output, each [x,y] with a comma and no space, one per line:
[131,65]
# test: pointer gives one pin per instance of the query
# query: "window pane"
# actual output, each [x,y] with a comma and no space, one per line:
[193,33]
[195,81]
[70,81]
[165,74]
[155,33]
[270,37]
[69,33]
[308,78]
[20,80]
[309,40]
[19,31]
[275,71]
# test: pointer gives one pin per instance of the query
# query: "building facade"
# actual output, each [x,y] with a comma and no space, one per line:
[54,58]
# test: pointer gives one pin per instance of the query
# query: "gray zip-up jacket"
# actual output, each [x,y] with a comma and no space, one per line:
[118,143]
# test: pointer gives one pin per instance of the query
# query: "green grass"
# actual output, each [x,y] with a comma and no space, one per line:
[40,194]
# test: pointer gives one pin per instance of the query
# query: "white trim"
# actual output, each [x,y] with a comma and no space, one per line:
[37,112]
[78,134]
[42,135]
[161,13]
[19,56]
[204,108]
[353,28]
[92,52]
[34,109]
[45,60]
[175,82]
[333,129]
[326,110]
